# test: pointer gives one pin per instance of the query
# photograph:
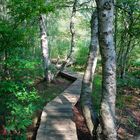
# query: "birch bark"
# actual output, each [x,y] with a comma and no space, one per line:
[44,45]
[69,59]
[106,43]
[86,90]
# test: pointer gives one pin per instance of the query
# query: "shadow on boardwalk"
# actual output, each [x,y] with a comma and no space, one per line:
[57,116]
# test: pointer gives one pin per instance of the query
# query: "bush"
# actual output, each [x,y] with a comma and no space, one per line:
[18,105]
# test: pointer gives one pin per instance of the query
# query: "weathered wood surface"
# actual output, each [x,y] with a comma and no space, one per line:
[57,116]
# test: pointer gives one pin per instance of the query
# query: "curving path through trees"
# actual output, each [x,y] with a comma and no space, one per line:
[57,116]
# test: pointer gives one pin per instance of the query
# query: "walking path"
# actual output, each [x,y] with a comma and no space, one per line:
[57,116]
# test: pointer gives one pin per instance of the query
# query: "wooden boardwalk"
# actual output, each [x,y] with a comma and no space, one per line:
[57,116]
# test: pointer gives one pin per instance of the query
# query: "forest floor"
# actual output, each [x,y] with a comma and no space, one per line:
[127,106]
[47,92]
[82,130]
[128,118]
[128,115]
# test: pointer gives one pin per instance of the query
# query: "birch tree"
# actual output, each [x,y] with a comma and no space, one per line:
[72,30]
[86,90]
[44,46]
[106,43]
[69,59]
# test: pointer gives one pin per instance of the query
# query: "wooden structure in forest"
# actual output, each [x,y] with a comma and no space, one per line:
[57,116]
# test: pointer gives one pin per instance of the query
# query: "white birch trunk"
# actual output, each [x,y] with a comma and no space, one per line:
[69,59]
[72,31]
[44,45]
[86,90]
[106,42]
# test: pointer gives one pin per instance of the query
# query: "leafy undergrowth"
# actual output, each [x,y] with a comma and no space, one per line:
[127,106]
[19,118]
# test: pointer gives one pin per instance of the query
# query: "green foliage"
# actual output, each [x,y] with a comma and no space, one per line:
[129,81]
[134,63]
[18,68]
[19,105]
[128,27]
[132,123]
[31,9]
[137,62]
[97,92]
[52,68]
[20,54]
[122,100]
[59,48]
[81,53]
[9,35]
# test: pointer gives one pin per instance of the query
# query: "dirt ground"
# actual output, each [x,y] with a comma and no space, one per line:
[82,130]
[128,118]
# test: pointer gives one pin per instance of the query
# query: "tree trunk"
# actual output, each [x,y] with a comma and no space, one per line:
[3,8]
[72,31]
[44,46]
[106,42]
[69,60]
[4,54]
[116,26]
[86,90]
